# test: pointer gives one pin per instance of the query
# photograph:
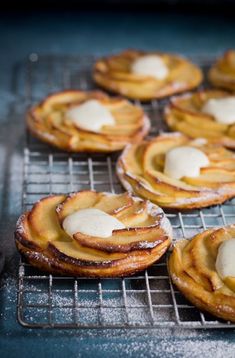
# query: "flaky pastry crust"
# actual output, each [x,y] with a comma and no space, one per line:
[184,114]
[222,73]
[192,269]
[140,169]
[114,74]
[40,236]
[48,122]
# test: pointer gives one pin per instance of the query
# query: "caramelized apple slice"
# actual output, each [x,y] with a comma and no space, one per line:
[43,219]
[77,201]
[72,251]
[121,202]
[137,215]
[124,240]
[230,282]
[87,199]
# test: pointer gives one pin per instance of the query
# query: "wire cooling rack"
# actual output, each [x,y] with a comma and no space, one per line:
[145,300]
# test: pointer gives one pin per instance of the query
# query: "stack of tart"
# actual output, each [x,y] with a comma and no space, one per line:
[99,234]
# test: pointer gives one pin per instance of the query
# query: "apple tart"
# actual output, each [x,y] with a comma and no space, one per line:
[203,270]
[174,171]
[146,75]
[222,73]
[79,121]
[208,113]
[93,234]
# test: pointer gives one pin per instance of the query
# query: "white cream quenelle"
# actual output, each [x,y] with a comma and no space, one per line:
[92,222]
[223,109]
[225,261]
[150,65]
[91,115]
[184,161]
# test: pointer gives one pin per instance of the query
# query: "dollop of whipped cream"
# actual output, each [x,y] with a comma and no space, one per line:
[92,222]
[184,161]
[225,261]
[90,115]
[150,65]
[223,109]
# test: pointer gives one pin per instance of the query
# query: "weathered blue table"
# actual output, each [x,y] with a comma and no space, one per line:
[97,33]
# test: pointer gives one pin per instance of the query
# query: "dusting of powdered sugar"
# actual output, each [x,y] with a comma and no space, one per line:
[20,225]
[164,342]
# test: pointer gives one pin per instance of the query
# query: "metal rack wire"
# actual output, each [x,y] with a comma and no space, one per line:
[147,300]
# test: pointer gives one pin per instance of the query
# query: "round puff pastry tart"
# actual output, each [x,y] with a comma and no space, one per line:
[222,73]
[146,75]
[207,113]
[203,270]
[80,121]
[173,171]
[93,234]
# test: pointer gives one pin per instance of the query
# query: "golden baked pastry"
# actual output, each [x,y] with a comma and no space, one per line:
[193,269]
[42,237]
[115,73]
[50,122]
[185,114]
[140,169]
[222,73]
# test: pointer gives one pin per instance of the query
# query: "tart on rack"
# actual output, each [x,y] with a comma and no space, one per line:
[146,75]
[93,234]
[207,113]
[78,121]
[174,171]
[222,73]
[203,270]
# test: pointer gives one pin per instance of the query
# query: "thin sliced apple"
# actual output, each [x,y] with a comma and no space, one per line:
[136,215]
[212,178]
[71,251]
[141,238]
[43,219]
[113,203]
[77,201]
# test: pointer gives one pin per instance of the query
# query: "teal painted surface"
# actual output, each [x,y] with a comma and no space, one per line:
[98,33]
